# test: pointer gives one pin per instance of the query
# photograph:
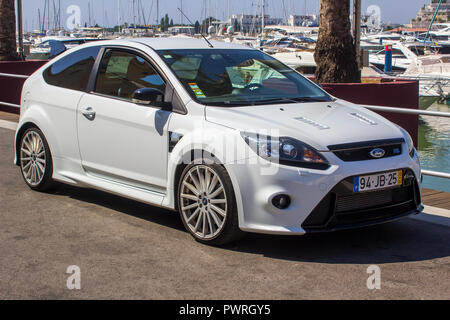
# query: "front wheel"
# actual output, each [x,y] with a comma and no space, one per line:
[207,204]
[35,160]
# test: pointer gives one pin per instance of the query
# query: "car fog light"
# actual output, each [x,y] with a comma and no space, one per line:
[281,201]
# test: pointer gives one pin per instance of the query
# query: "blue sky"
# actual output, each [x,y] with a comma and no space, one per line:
[105,11]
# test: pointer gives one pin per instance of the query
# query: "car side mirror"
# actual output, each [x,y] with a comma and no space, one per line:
[150,97]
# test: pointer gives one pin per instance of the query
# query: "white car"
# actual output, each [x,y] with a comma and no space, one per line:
[228,136]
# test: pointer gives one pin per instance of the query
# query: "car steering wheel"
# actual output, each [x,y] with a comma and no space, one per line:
[254,87]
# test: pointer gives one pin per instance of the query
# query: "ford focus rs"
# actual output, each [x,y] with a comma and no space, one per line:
[226,135]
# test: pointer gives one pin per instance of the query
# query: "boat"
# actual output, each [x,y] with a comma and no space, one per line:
[50,46]
[295,52]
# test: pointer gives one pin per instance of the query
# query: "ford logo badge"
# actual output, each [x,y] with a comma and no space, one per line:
[377,153]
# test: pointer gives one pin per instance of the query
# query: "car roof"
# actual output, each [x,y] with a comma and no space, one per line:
[174,43]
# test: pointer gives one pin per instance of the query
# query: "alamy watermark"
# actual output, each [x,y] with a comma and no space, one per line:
[74,280]
[374,280]
[74,19]
[373,14]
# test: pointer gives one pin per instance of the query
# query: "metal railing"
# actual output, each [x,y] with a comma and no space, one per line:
[437,174]
[410,111]
[16,76]
[12,75]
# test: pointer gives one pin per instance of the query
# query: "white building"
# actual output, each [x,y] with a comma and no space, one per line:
[309,20]
[182,30]
[252,24]
[425,14]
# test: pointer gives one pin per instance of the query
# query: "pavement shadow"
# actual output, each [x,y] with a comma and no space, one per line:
[405,240]
[133,208]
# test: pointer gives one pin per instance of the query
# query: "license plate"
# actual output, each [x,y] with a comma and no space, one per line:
[378,181]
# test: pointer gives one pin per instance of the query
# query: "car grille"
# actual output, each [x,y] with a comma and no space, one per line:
[361,150]
[342,208]
[363,200]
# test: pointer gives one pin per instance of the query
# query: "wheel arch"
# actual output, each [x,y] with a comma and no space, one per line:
[193,155]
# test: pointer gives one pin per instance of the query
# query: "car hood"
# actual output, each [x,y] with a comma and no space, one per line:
[319,124]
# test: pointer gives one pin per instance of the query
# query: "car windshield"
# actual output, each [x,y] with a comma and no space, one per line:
[233,77]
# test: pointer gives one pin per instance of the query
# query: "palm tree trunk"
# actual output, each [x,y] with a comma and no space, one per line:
[335,51]
[8,47]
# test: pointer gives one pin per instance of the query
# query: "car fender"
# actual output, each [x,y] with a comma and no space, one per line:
[205,141]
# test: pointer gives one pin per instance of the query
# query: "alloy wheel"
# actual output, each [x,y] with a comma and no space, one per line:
[203,202]
[33,158]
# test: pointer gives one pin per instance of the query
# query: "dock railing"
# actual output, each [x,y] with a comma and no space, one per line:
[12,76]
[437,174]
[444,175]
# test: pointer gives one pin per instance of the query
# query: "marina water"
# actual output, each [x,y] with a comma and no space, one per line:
[434,147]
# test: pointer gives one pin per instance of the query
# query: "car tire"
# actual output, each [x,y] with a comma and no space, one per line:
[35,160]
[207,204]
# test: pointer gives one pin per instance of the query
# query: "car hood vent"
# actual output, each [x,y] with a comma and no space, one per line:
[363,118]
[312,123]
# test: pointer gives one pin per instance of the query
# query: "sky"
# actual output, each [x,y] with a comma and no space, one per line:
[106,13]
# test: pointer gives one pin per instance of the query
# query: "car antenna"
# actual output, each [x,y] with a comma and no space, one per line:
[209,43]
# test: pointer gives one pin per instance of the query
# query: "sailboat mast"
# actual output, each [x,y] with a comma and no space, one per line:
[434,18]
[118,14]
[157,11]
[263,16]
[48,15]
[139,12]
[144,20]
[55,19]
[134,13]
[181,14]
[59,14]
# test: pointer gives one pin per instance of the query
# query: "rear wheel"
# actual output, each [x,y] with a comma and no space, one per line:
[35,160]
[207,204]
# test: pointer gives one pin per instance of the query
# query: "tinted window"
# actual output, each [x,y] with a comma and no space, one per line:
[72,71]
[239,77]
[121,73]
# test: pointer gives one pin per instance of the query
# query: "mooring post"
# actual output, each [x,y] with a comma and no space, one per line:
[388,58]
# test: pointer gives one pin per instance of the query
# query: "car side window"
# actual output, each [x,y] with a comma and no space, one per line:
[121,73]
[72,71]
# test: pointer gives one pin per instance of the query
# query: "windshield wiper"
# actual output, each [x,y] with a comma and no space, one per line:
[269,101]
[309,99]
[292,100]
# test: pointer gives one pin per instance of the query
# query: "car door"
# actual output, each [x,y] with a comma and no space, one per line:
[118,139]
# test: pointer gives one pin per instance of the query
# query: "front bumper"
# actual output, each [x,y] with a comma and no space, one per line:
[341,208]
[321,200]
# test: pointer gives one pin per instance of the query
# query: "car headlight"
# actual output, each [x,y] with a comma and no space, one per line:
[286,151]
[409,142]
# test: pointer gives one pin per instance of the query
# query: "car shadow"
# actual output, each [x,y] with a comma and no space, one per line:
[405,240]
[120,204]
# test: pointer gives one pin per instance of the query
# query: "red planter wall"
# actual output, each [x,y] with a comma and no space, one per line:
[11,88]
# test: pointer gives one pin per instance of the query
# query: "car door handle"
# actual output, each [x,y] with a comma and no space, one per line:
[89,113]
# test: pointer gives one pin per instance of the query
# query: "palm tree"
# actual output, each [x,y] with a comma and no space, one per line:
[335,53]
[8,48]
